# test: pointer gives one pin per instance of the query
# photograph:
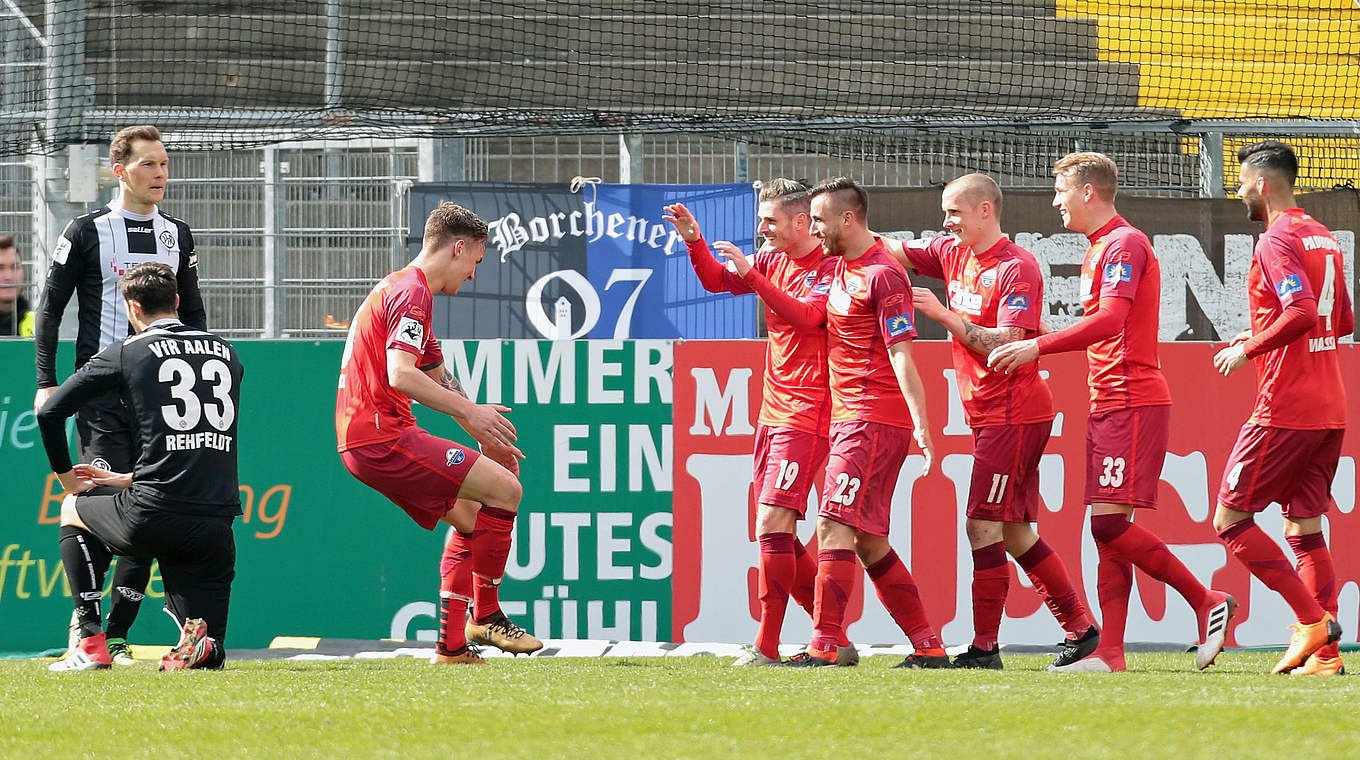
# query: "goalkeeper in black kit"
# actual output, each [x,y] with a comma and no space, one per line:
[181,387]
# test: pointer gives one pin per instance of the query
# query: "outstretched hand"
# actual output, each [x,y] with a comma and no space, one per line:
[684,222]
[926,302]
[1231,359]
[1007,358]
[98,476]
[732,253]
[488,425]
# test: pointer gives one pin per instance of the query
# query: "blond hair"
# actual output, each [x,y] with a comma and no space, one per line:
[1090,168]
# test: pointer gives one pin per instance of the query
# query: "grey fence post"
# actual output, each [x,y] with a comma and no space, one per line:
[1211,165]
[275,246]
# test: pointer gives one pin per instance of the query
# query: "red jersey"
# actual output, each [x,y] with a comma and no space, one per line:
[1124,369]
[999,287]
[868,308]
[796,391]
[1299,384]
[396,314]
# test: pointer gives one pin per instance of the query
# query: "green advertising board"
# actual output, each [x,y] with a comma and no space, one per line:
[319,554]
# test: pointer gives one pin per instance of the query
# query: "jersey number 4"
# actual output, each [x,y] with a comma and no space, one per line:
[188,408]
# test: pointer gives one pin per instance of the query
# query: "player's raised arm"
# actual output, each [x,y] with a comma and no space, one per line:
[712,275]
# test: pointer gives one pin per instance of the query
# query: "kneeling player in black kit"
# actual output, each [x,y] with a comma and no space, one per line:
[181,387]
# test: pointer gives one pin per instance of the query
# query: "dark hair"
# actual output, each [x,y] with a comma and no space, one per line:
[152,285]
[848,194]
[789,194]
[120,150]
[6,241]
[449,220]
[1273,155]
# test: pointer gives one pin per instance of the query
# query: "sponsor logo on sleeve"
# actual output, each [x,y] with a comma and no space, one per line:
[411,332]
[899,324]
[1289,285]
[1119,271]
[63,249]
[1018,303]
[453,457]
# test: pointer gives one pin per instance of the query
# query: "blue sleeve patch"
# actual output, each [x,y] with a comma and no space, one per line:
[899,324]
[1018,303]
[1289,285]
[1119,271]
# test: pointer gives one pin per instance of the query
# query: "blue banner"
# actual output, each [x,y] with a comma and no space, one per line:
[598,263]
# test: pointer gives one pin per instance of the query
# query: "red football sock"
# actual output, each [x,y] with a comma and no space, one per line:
[836,570]
[490,551]
[1142,547]
[1049,576]
[455,591]
[1319,574]
[991,582]
[1114,583]
[1263,558]
[804,589]
[897,590]
[777,571]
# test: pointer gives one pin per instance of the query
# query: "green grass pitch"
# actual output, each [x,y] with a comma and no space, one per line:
[690,707]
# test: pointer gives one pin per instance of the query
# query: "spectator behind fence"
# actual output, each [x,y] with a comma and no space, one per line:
[16,316]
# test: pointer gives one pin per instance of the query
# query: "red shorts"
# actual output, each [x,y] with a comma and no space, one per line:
[861,474]
[1125,449]
[1294,468]
[419,472]
[786,461]
[1005,485]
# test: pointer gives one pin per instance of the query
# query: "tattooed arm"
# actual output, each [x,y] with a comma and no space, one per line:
[978,339]
[441,374]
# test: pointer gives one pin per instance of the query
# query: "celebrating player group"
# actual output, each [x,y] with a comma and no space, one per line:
[842,390]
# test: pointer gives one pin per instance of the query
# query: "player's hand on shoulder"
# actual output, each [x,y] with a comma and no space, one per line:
[684,222]
[740,264]
[98,476]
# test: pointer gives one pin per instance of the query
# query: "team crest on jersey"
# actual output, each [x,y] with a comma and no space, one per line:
[1018,303]
[988,278]
[853,284]
[810,279]
[1119,271]
[411,332]
[1290,284]
[453,457]
[167,239]
[899,324]
[821,288]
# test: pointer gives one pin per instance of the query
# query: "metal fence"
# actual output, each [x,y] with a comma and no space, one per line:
[293,236]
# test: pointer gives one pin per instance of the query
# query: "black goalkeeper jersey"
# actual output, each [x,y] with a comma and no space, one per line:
[92,254]
[182,389]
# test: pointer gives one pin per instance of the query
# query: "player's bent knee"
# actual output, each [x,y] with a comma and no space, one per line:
[69,515]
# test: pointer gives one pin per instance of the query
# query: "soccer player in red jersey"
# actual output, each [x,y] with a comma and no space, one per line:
[391,358]
[791,442]
[1288,449]
[1127,432]
[877,407]
[996,295]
